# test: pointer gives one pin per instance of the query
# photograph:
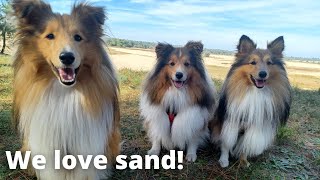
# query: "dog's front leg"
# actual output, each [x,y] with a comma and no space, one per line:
[156,148]
[192,150]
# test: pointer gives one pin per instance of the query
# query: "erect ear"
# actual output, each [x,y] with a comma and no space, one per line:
[91,17]
[31,12]
[163,50]
[245,46]
[277,46]
[195,47]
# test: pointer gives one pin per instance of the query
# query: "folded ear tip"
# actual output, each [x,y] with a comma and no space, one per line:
[277,46]
[281,38]
[160,44]
[23,8]
[198,44]
[163,49]
[194,42]
[16,2]
[245,45]
[244,37]
[85,10]
[195,45]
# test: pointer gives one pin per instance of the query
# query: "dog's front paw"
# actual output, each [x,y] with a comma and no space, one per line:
[154,152]
[191,157]
[244,163]
[224,162]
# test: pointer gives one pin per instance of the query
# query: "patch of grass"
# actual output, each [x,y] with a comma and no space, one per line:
[304,81]
[295,165]
[113,51]
[129,79]
[296,154]
[284,133]
[217,72]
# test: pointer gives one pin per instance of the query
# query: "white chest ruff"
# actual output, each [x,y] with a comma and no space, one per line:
[256,115]
[254,109]
[188,123]
[59,122]
[176,99]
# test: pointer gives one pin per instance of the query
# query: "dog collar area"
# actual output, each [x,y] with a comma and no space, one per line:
[171,117]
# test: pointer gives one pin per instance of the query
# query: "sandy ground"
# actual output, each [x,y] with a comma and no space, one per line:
[141,59]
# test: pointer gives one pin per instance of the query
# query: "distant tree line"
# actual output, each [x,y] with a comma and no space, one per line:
[129,43]
[150,45]
[207,52]
[302,59]
[124,43]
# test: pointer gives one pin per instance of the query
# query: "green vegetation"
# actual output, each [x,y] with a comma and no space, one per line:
[124,43]
[296,154]
[217,52]
[7,28]
[302,59]
[129,43]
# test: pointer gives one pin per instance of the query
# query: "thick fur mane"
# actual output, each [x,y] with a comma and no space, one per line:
[178,100]
[158,81]
[33,74]
[236,88]
[35,81]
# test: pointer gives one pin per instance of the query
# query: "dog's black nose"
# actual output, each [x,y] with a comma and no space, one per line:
[67,58]
[262,74]
[179,75]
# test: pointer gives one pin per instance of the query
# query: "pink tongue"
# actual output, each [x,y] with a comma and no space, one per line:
[178,84]
[260,83]
[66,73]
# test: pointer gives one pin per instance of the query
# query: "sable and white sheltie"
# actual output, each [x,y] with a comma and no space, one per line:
[65,89]
[254,101]
[177,99]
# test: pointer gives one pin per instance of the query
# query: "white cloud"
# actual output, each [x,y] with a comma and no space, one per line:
[218,24]
[142,1]
[62,6]
[96,1]
[179,8]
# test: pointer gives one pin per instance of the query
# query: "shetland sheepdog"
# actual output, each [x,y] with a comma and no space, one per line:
[177,99]
[255,100]
[65,89]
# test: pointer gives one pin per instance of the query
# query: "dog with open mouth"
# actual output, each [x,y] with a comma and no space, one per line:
[178,99]
[65,87]
[255,100]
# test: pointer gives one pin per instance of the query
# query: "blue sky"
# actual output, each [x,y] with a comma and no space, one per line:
[218,24]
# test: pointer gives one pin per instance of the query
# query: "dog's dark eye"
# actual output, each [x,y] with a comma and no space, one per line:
[172,64]
[269,63]
[187,64]
[50,36]
[253,63]
[77,37]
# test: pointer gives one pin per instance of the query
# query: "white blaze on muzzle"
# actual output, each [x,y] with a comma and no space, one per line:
[179,78]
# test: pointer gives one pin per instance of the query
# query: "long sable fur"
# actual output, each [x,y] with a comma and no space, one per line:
[158,82]
[32,74]
[284,110]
